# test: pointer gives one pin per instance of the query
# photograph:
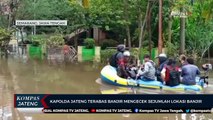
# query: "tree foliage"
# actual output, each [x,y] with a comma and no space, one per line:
[122,19]
[5,36]
[199,31]
[198,26]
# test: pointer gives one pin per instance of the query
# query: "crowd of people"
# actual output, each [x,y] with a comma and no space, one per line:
[167,71]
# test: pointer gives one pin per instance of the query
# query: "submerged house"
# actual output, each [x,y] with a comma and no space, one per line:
[77,37]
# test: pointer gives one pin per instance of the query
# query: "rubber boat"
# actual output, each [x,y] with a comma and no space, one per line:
[109,75]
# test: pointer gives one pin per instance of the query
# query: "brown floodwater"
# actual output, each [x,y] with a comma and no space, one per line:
[51,77]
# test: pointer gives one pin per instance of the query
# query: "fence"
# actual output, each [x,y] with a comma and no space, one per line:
[58,54]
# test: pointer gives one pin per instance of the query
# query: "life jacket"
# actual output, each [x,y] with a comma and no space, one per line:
[113,60]
[172,76]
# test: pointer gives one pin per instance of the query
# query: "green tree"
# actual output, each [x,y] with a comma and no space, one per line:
[4,40]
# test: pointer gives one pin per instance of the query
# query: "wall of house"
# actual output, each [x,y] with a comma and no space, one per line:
[98,35]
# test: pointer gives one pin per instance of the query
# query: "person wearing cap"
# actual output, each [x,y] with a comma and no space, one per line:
[130,66]
[126,56]
[119,60]
[148,72]
[162,61]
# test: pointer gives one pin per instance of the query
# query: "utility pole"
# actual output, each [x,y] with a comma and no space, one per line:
[149,28]
[126,16]
[182,31]
[10,13]
[34,27]
[160,39]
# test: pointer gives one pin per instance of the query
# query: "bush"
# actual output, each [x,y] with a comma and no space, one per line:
[134,52]
[106,54]
[35,43]
[4,40]
[4,34]
[89,43]
[143,52]
[37,39]
[4,37]
[108,43]
[55,41]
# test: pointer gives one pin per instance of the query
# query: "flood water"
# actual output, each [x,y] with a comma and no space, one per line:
[49,77]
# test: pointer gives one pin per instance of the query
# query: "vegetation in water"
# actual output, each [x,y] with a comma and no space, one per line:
[89,43]
[5,36]
[106,54]
[55,41]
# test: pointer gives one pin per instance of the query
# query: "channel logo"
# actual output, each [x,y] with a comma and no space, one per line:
[93,110]
[187,110]
[136,110]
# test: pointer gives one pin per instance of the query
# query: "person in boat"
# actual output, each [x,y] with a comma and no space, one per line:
[131,67]
[206,67]
[147,71]
[119,61]
[183,60]
[171,73]
[162,61]
[189,72]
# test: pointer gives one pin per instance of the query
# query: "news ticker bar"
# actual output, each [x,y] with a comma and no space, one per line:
[85,101]
[136,110]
